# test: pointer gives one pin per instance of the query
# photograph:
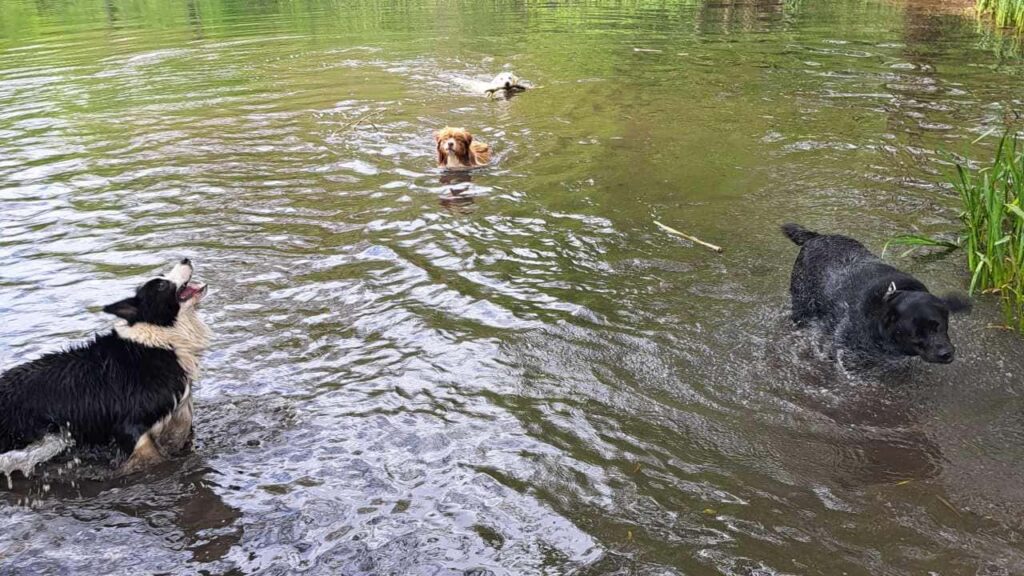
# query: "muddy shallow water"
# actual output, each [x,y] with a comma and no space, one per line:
[514,371]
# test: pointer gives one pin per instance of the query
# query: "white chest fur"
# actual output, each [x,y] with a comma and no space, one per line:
[187,338]
[454,163]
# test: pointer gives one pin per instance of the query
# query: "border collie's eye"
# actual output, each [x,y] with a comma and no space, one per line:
[163,285]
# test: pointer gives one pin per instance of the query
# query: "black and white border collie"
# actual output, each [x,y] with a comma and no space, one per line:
[132,385]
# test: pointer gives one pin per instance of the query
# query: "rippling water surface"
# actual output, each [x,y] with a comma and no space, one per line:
[513,372]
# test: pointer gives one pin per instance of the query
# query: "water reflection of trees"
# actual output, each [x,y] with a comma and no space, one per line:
[739,16]
[713,16]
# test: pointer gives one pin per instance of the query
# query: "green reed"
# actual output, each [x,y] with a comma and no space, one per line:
[1006,13]
[992,199]
[993,218]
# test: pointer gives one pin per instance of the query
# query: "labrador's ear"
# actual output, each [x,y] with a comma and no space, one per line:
[957,303]
[890,292]
[127,309]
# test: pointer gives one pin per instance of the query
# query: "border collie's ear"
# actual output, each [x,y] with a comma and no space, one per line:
[957,303]
[127,309]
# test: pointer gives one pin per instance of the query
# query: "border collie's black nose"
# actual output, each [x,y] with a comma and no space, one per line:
[186,261]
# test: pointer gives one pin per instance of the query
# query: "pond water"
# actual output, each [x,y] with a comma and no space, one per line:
[513,371]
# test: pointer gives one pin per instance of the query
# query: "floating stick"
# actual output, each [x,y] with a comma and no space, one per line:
[363,118]
[688,237]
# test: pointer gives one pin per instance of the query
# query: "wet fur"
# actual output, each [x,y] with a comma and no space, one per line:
[872,311]
[467,153]
[505,81]
[108,388]
[131,385]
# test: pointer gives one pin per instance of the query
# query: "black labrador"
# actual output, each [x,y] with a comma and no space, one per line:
[872,310]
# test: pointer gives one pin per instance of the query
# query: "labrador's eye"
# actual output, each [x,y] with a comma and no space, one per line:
[927,327]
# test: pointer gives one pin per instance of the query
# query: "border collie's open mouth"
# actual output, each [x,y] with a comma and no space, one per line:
[192,290]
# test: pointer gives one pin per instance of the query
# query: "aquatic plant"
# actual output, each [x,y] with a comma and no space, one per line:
[1006,13]
[992,199]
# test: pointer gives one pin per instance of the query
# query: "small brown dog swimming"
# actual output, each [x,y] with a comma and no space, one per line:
[456,150]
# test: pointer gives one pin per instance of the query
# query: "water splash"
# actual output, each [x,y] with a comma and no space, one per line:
[26,460]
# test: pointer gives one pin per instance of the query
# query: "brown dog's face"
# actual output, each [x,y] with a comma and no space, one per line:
[453,142]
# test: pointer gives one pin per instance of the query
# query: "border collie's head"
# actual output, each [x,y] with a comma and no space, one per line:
[163,314]
[161,300]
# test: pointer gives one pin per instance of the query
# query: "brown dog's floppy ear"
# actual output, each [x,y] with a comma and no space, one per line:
[127,309]
[442,158]
[467,157]
[957,303]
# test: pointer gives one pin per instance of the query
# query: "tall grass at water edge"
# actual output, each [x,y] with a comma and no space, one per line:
[992,199]
[1006,13]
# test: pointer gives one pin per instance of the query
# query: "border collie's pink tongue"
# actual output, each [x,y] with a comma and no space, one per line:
[191,290]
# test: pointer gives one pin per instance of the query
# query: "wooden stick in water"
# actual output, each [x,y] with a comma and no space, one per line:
[688,237]
[513,89]
[363,118]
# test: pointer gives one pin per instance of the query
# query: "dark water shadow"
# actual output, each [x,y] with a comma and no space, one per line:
[177,498]
[868,418]
[454,198]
